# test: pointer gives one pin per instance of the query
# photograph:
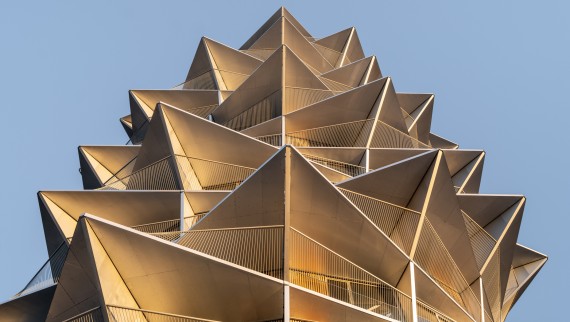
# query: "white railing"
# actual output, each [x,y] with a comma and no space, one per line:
[124,314]
[48,274]
[346,168]
[159,227]
[202,174]
[156,176]
[92,315]
[398,223]
[257,248]
[350,134]
[432,255]
[273,139]
[427,313]
[196,174]
[481,241]
[319,269]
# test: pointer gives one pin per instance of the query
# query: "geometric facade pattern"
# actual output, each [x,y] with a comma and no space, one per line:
[285,180]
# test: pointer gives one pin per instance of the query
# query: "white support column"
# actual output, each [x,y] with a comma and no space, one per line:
[286,304]
[367,159]
[182,197]
[414,299]
[481,299]
[283,136]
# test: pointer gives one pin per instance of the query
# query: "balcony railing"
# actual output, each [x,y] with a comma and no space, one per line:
[195,173]
[481,241]
[201,174]
[432,255]
[48,274]
[125,314]
[396,222]
[92,315]
[317,268]
[159,227]
[427,313]
[257,248]
[312,266]
[273,139]
[343,167]
[350,134]
[156,176]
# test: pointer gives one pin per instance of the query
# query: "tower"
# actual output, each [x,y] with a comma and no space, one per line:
[284,180]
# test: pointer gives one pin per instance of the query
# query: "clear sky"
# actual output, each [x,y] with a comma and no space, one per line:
[499,70]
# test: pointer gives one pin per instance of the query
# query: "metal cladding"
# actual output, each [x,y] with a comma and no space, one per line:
[286,180]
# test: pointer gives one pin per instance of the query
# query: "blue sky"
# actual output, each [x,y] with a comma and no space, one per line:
[499,71]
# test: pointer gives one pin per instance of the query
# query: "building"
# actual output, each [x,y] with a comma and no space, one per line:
[285,180]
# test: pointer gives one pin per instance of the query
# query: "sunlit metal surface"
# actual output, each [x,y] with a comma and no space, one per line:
[286,180]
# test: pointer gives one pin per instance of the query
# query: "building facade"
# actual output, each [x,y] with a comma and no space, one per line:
[285,180]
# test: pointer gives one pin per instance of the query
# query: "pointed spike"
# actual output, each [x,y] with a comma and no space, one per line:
[78,288]
[201,63]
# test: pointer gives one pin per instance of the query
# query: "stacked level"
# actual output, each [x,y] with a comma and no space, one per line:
[284,181]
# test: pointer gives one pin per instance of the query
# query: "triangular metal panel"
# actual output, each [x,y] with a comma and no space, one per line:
[336,41]
[524,255]
[91,178]
[485,208]
[353,49]
[388,108]
[78,289]
[281,12]
[304,49]
[437,142]
[201,63]
[28,308]
[156,145]
[472,181]
[54,235]
[459,159]
[420,127]
[395,183]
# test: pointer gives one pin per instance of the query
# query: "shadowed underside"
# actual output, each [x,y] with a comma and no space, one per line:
[286,180]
